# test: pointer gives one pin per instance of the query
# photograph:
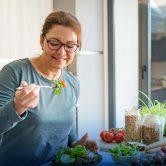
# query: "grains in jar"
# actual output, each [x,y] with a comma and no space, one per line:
[151,129]
[133,125]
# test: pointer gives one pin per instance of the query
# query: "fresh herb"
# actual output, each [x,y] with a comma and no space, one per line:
[124,150]
[60,153]
[78,151]
[76,155]
[156,107]
[59,85]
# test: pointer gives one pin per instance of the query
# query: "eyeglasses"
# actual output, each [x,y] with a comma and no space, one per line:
[55,44]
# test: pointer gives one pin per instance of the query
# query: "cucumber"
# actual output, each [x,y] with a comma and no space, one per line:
[67,160]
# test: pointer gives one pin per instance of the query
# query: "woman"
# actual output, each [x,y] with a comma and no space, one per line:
[36,122]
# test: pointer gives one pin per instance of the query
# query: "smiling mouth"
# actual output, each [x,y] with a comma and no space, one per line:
[59,59]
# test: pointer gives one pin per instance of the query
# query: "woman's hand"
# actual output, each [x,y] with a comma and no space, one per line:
[89,144]
[26,98]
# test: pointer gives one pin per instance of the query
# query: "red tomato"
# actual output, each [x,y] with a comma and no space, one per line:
[119,137]
[121,131]
[108,137]
[62,82]
[102,134]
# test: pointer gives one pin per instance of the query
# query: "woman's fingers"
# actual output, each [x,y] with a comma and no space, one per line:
[92,145]
[27,91]
[25,98]
[30,99]
[83,139]
[24,84]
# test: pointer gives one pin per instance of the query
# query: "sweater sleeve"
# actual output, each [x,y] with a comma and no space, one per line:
[8,83]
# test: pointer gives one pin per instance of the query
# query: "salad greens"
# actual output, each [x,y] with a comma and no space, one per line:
[78,151]
[59,85]
[78,155]
[124,150]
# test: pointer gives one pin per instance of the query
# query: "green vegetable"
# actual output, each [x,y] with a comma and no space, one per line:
[75,156]
[59,154]
[124,150]
[155,107]
[78,151]
[59,85]
[57,91]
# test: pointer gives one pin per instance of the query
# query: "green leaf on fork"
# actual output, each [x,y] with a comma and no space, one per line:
[59,85]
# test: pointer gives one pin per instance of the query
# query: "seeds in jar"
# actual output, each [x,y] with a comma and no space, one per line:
[151,133]
[132,127]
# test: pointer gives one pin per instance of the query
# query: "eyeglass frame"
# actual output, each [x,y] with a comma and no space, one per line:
[61,44]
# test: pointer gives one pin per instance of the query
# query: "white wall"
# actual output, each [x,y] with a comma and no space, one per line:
[21,24]
[90,68]
[91,109]
[126,57]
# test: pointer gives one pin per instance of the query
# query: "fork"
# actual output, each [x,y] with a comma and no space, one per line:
[37,86]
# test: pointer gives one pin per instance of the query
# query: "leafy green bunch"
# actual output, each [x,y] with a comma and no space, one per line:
[78,151]
[77,155]
[156,107]
[124,150]
[59,85]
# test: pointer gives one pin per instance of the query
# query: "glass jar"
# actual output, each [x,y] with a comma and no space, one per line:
[151,129]
[133,125]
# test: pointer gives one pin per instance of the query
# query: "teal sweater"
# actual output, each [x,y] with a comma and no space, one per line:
[35,138]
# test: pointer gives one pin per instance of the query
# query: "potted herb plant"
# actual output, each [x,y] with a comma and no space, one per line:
[155,107]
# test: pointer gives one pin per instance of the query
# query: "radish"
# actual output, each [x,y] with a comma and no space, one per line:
[163,149]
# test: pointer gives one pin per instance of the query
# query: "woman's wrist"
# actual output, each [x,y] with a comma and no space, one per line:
[19,109]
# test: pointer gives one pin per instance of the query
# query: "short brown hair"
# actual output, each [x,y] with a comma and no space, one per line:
[63,18]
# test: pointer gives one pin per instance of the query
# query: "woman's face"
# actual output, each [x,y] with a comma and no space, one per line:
[59,46]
